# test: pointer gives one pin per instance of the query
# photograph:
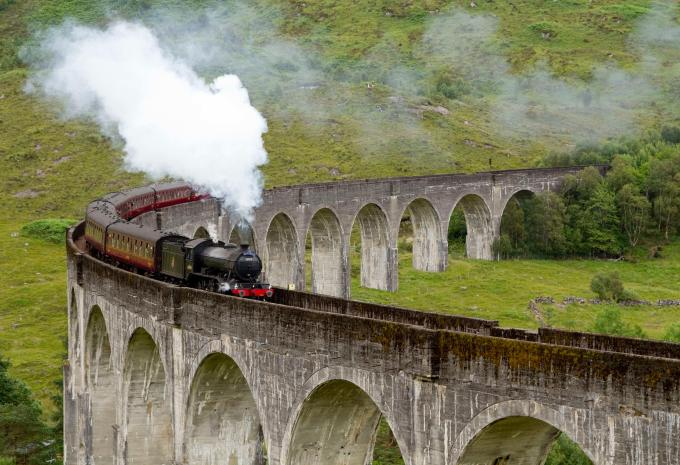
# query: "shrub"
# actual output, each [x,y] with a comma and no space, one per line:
[565,452]
[50,230]
[609,321]
[673,333]
[502,247]
[671,134]
[607,286]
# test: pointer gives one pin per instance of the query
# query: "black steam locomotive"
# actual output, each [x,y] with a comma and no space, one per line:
[200,263]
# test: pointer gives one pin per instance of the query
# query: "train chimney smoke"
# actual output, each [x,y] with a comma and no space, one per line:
[171,121]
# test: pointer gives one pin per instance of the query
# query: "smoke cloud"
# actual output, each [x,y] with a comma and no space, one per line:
[172,122]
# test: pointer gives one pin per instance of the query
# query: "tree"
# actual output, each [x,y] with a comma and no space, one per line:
[22,432]
[620,174]
[667,208]
[512,225]
[545,225]
[609,321]
[565,452]
[502,247]
[671,134]
[599,223]
[634,211]
[607,286]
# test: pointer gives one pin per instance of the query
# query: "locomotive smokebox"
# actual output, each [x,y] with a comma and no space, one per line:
[241,263]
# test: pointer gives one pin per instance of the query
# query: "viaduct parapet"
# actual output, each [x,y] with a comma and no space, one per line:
[329,212]
[159,374]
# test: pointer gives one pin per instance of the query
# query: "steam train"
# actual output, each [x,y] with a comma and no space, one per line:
[201,263]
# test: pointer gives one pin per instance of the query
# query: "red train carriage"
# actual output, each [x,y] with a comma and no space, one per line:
[133,202]
[169,194]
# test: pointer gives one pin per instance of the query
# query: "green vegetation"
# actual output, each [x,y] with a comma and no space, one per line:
[377,103]
[23,435]
[607,286]
[609,321]
[595,216]
[386,450]
[566,452]
[49,230]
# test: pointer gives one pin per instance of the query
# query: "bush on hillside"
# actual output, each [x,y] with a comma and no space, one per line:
[671,134]
[607,286]
[673,333]
[609,321]
[3,5]
[50,230]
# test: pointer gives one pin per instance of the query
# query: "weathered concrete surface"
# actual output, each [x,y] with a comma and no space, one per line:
[305,379]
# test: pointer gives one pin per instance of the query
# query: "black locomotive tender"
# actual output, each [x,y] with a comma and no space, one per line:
[200,263]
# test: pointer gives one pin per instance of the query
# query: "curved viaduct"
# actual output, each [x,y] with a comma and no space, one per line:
[329,212]
[161,374]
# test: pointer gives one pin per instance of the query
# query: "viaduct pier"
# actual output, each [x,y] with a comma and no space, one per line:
[161,374]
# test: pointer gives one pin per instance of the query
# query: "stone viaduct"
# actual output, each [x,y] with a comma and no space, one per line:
[164,375]
[330,211]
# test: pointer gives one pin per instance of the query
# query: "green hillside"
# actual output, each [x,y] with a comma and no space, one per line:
[354,89]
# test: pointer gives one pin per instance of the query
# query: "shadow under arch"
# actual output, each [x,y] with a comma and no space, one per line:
[336,424]
[375,243]
[100,381]
[480,233]
[243,233]
[328,256]
[201,233]
[148,409]
[281,252]
[520,195]
[513,433]
[427,236]
[223,423]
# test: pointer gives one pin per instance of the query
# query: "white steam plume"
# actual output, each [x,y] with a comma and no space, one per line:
[172,122]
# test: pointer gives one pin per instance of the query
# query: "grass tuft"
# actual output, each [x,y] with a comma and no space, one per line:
[50,230]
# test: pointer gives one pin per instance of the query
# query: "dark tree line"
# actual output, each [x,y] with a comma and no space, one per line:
[638,200]
[25,439]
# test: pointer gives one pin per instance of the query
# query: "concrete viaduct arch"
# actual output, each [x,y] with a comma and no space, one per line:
[282,222]
[204,376]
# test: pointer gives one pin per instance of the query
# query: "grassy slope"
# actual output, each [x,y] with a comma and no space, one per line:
[502,290]
[65,164]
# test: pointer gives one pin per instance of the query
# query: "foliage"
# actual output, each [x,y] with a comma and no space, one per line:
[23,435]
[673,333]
[565,452]
[386,450]
[51,230]
[607,286]
[345,34]
[545,225]
[457,227]
[634,211]
[609,321]
[638,201]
